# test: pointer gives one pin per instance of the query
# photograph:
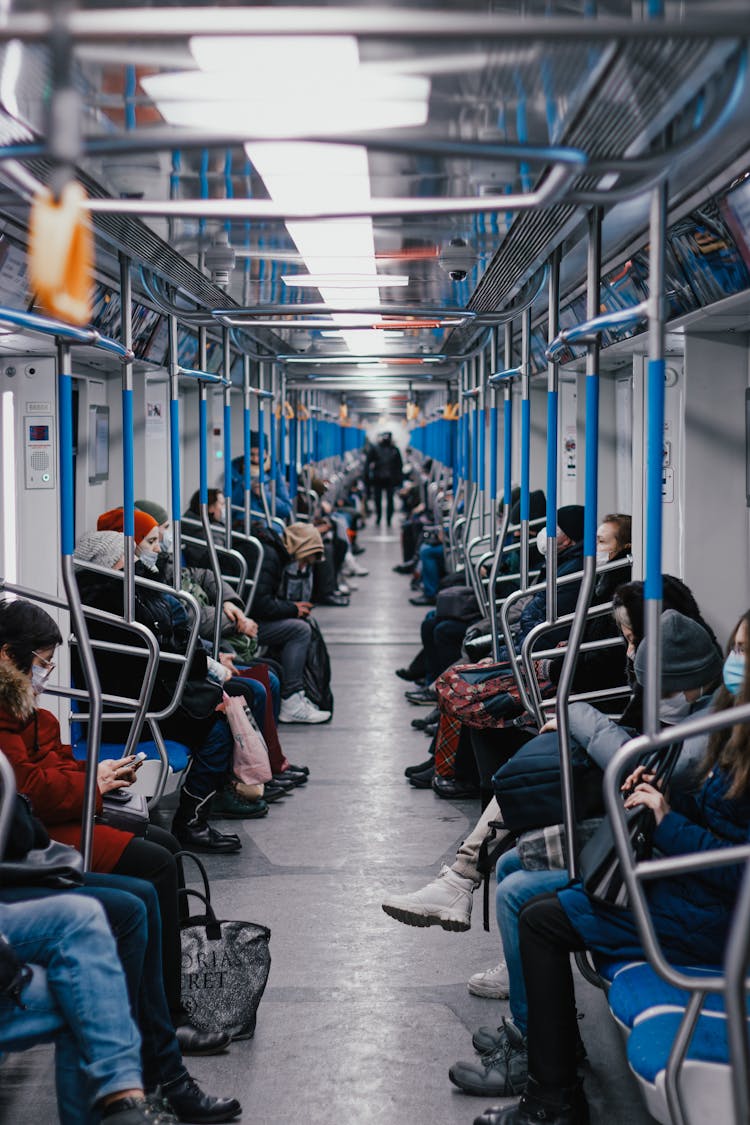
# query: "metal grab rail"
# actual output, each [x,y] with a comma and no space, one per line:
[7,801]
[35,322]
[635,874]
[589,329]
[235,580]
[202,376]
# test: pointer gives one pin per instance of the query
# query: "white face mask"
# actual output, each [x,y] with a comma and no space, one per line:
[674,708]
[602,557]
[39,677]
[541,542]
[167,540]
[148,558]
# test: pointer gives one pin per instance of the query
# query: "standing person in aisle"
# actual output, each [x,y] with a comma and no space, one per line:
[385,474]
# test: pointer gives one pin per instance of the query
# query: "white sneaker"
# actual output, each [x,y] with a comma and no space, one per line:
[352,569]
[446,902]
[298,708]
[492,983]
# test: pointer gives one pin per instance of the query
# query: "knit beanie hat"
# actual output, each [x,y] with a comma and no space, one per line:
[303,542]
[113,521]
[104,548]
[537,507]
[570,520]
[689,657]
[151,508]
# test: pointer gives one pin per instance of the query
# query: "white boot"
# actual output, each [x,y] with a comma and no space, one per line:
[351,568]
[446,902]
[298,708]
[492,983]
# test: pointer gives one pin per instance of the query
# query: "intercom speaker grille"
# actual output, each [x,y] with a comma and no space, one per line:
[39,461]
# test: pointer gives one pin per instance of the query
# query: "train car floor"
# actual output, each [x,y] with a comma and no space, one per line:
[362,1016]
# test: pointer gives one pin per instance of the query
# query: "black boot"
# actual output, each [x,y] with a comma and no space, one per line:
[189,1103]
[193,831]
[541,1104]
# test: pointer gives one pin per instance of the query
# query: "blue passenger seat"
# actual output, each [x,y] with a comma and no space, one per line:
[178,756]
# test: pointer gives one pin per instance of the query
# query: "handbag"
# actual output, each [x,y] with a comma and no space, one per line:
[600,869]
[225,966]
[250,760]
[32,859]
[125,810]
[458,603]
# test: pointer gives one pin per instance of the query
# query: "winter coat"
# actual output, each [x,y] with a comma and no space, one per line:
[568,562]
[205,579]
[385,466]
[268,605]
[691,914]
[120,674]
[46,771]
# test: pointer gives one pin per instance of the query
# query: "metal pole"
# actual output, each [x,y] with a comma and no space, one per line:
[507,489]
[203,490]
[481,401]
[227,439]
[552,441]
[525,443]
[246,438]
[174,451]
[67,531]
[589,544]
[494,521]
[654,461]
[272,446]
[128,453]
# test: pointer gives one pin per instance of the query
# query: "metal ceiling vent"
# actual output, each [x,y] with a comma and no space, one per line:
[219,260]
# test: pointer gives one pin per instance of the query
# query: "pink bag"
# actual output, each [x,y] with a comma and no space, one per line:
[250,760]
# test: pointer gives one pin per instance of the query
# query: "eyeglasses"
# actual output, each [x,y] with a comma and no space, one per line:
[48,665]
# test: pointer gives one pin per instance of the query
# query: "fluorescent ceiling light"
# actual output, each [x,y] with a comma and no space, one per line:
[318,87]
[344,280]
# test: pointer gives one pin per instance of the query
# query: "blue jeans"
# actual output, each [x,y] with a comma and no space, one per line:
[516,887]
[433,568]
[78,998]
[132,909]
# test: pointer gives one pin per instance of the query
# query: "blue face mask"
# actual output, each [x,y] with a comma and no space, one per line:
[734,672]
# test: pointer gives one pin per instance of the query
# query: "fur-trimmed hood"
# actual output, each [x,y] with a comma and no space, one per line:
[17,697]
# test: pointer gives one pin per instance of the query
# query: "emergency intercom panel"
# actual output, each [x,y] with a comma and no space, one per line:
[39,451]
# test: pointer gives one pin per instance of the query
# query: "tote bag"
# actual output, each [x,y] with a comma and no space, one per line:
[250,761]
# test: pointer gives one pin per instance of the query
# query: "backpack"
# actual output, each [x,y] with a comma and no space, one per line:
[529,791]
[317,671]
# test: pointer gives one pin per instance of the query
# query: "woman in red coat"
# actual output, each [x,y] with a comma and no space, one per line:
[46,772]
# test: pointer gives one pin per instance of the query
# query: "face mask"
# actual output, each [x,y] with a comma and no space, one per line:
[674,708]
[39,677]
[148,558]
[602,557]
[167,541]
[541,542]
[734,672]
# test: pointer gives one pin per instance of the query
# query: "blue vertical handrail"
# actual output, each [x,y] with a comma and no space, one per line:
[247,427]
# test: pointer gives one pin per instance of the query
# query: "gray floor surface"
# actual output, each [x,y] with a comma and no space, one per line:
[362,1016]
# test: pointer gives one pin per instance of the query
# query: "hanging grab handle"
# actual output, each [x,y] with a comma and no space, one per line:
[61,254]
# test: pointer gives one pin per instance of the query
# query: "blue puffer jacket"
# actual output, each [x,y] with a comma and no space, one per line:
[691,915]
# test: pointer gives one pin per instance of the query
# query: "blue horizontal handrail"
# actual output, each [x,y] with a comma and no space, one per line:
[35,322]
[502,376]
[203,376]
[580,333]
[473,392]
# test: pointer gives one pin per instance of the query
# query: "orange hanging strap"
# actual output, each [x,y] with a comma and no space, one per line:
[61,254]
[288,411]
[343,413]
[451,411]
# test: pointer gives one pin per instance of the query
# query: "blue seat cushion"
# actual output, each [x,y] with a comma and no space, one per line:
[608,968]
[637,988]
[177,754]
[650,1043]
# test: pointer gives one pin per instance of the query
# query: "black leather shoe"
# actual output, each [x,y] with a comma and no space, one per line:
[449,788]
[193,1041]
[420,724]
[273,792]
[423,697]
[405,674]
[201,837]
[411,770]
[289,780]
[430,729]
[404,568]
[422,780]
[190,1103]
[333,599]
[422,599]
[137,1111]
[298,769]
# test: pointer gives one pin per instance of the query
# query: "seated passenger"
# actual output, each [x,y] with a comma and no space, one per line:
[194,723]
[282,624]
[691,667]
[691,914]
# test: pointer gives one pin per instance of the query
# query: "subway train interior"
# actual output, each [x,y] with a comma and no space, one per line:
[375,468]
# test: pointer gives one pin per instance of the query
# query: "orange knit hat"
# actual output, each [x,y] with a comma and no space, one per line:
[113,521]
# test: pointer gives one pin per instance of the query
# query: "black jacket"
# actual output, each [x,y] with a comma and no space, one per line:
[385,466]
[267,604]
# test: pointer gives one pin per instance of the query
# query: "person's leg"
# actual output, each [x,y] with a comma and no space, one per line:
[68,935]
[427,631]
[207,770]
[430,558]
[546,941]
[254,694]
[263,674]
[516,887]
[389,504]
[378,496]
[492,748]
[290,637]
[448,638]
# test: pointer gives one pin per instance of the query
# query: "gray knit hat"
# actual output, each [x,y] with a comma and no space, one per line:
[689,657]
[151,508]
[104,548]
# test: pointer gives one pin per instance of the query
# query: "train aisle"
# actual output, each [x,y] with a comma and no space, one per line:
[362,1016]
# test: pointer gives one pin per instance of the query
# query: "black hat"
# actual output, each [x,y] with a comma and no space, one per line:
[570,520]
[689,657]
[537,507]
